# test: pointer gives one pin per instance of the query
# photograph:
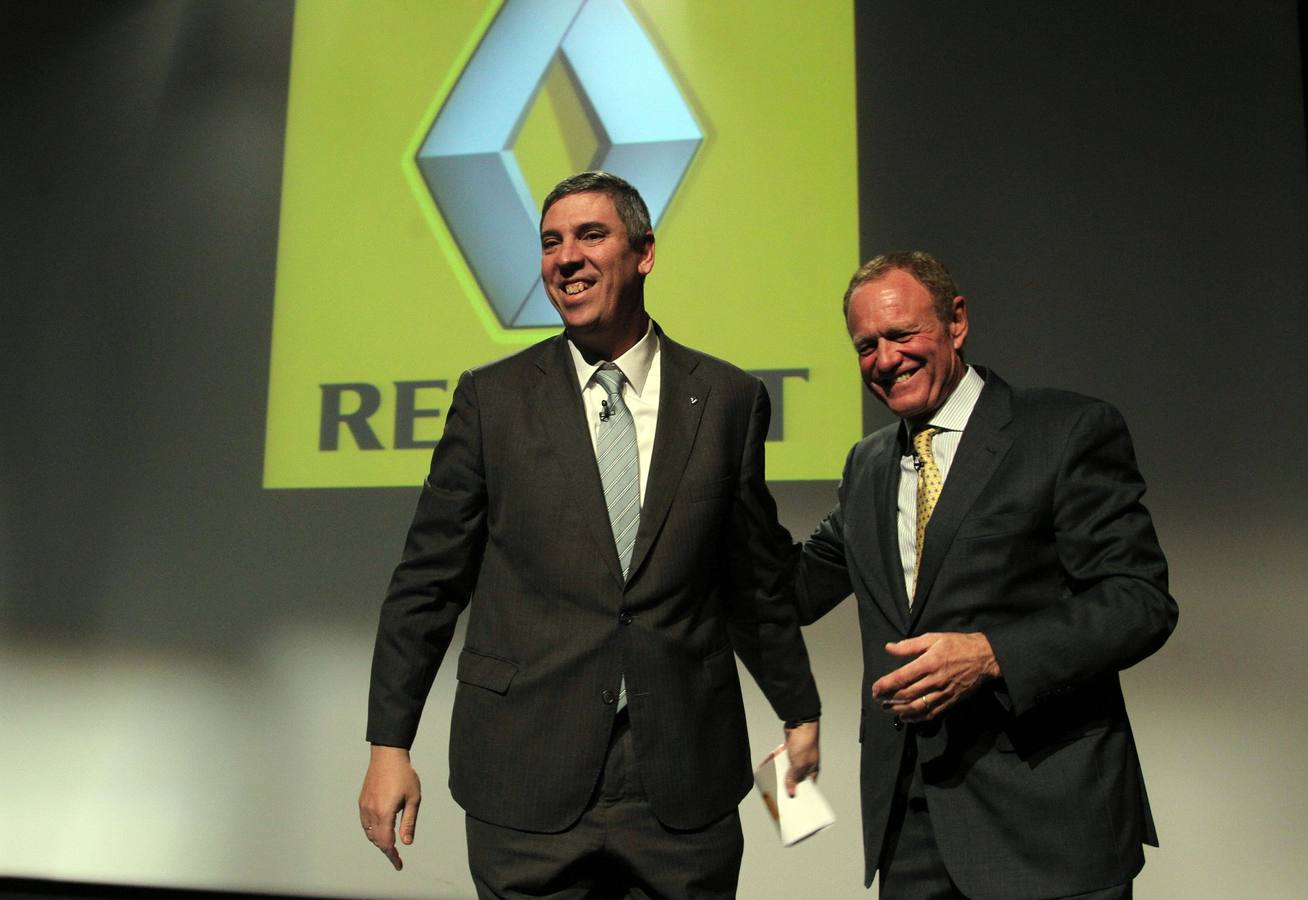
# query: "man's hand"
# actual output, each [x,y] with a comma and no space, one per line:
[948,667]
[802,748]
[390,787]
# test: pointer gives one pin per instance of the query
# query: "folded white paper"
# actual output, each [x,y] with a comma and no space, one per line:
[796,817]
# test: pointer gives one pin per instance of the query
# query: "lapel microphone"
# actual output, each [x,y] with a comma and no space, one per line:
[605,411]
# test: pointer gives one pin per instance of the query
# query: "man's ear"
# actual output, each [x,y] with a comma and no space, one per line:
[958,322]
[646,263]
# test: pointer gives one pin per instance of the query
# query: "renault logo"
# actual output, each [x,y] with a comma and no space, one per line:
[644,132]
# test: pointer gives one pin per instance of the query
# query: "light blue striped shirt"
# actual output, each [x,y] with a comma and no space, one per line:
[951,418]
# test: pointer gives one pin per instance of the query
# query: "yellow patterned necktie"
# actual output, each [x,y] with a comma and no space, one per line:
[929,484]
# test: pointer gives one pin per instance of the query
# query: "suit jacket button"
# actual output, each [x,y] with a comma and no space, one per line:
[897,723]
[609,697]
[625,618]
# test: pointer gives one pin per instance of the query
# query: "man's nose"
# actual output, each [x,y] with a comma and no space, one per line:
[568,254]
[887,359]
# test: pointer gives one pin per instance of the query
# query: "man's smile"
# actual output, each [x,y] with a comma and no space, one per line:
[888,383]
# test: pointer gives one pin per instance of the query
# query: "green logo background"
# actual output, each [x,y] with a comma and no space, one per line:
[753,252]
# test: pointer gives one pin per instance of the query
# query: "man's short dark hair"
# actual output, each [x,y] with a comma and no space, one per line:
[626,200]
[930,271]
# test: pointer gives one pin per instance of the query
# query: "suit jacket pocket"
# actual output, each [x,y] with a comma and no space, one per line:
[489,672]
[1072,717]
[711,489]
[721,666]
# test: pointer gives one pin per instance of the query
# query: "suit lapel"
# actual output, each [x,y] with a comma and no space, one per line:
[982,448]
[886,486]
[556,403]
[679,420]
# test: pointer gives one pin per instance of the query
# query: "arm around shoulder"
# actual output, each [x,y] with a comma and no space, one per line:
[821,576]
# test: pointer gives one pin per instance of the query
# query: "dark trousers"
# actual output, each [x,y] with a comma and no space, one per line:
[911,867]
[617,849]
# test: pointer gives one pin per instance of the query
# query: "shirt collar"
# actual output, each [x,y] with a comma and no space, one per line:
[956,410]
[635,363]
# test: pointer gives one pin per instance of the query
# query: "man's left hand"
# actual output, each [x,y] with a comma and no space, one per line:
[802,748]
[947,666]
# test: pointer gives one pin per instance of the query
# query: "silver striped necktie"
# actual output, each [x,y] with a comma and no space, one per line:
[619,465]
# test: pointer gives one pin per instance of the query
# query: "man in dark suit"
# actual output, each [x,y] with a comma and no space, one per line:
[1005,572]
[599,501]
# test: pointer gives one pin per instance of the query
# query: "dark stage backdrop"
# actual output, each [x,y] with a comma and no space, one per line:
[1118,187]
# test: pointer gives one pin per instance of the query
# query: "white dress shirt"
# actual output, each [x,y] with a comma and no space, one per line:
[642,367]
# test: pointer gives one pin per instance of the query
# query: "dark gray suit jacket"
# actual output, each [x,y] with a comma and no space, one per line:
[512,521]
[1040,541]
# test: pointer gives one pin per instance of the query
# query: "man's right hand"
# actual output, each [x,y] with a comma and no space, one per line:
[802,748]
[391,787]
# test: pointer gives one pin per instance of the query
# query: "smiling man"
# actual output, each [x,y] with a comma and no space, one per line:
[598,502]
[1005,572]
